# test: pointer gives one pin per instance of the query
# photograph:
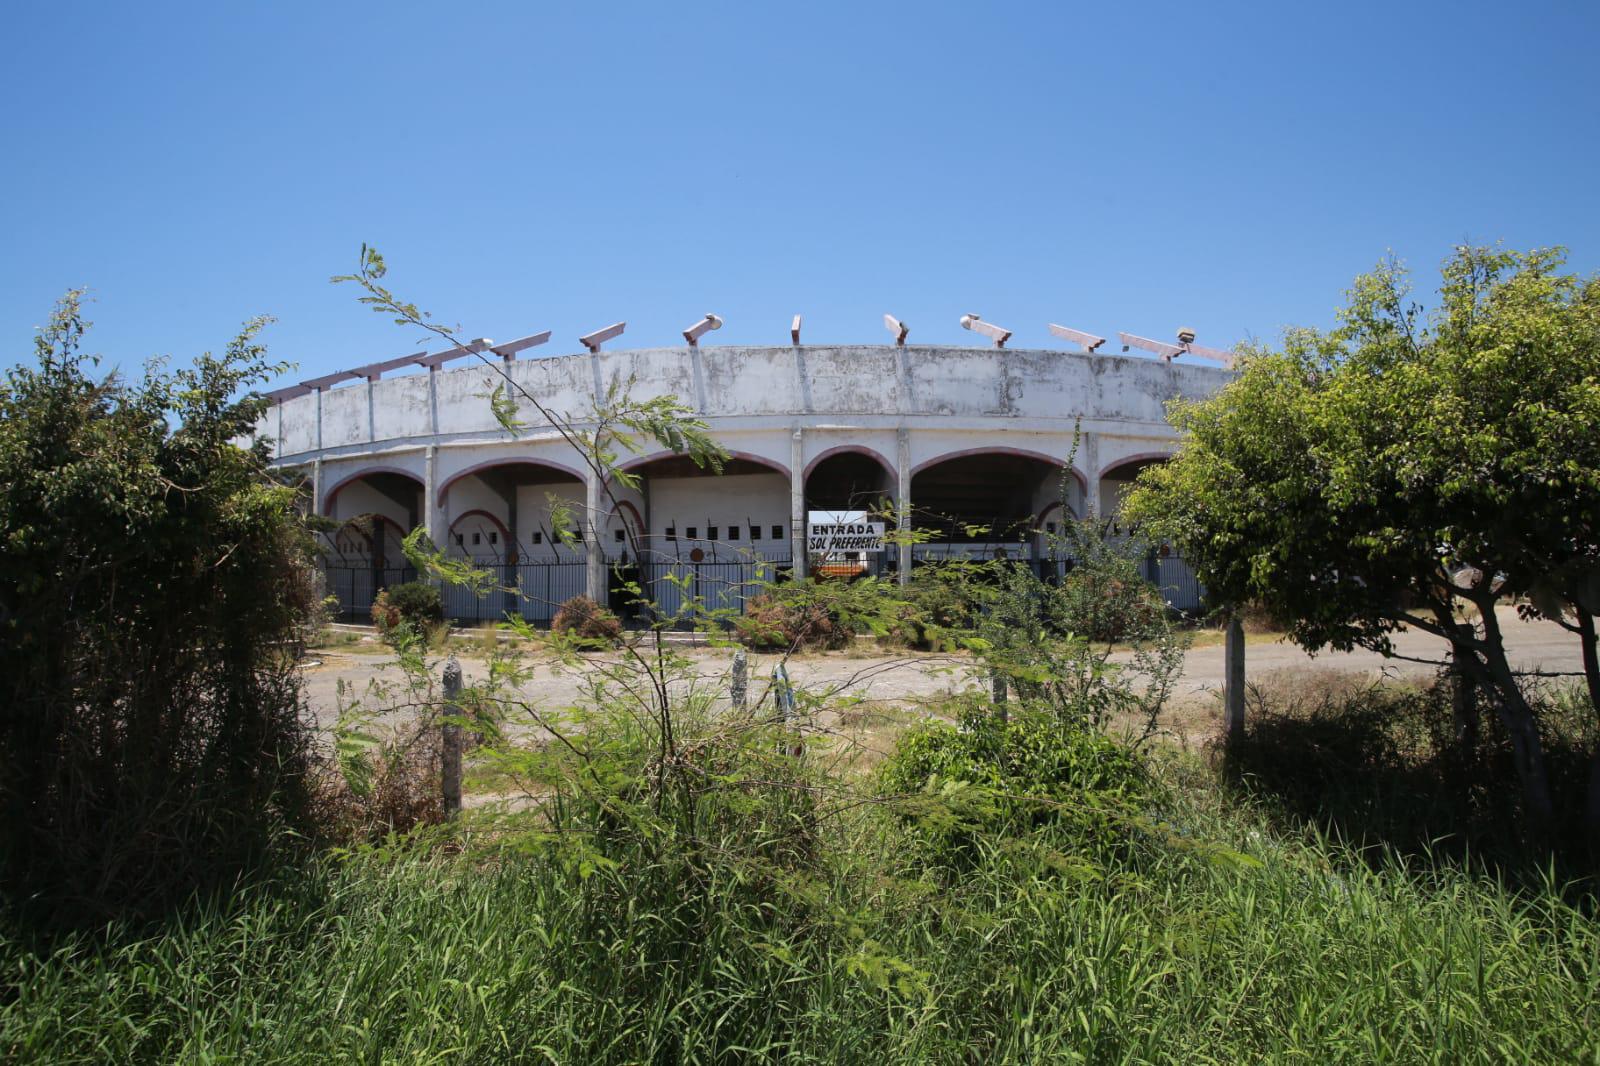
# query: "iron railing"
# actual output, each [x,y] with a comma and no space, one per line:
[718,580]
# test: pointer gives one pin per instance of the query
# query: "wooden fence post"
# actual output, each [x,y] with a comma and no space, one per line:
[1233,679]
[783,699]
[450,770]
[740,685]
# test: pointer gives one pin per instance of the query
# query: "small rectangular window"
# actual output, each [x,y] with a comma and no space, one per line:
[711,533]
[477,538]
[733,532]
[538,537]
[755,532]
[494,536]
[618,535]
[461,540]
[577,535]
[777,532]
[1049,527]
[693,533]
[672,533]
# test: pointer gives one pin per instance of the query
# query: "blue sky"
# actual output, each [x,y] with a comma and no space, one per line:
[525,167]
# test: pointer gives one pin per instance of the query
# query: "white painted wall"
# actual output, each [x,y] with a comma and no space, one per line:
[734,500]
[359,498]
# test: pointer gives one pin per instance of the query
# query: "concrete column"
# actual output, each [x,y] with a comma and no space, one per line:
[902,503]
[318,393]
[433,400]
[594,551]
[797,501]
[1089,459]
[433,516]
[317,486]
[372,422]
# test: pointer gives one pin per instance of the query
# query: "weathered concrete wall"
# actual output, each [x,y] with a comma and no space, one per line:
[1030,389]
[909,407]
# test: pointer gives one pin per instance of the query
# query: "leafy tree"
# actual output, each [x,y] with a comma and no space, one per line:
[1406,464]
[153,578]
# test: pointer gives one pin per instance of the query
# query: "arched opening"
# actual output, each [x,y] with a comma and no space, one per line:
[509,512]
[846,482]
[394,494]
[1161,565]
[369,540]
[739,514]
[985,502]
[1116,481]
[709,537]
[374,509]
[849,479]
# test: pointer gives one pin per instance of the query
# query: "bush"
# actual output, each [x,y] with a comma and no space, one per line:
[414,603]
[784,620]
[153,585]
[939,602]
[990,776]
[586,620]
[1381,765]
[397,791]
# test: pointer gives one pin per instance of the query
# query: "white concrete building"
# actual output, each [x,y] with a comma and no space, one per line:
[968,437]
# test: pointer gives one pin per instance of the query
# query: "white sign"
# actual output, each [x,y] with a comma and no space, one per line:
[831,532]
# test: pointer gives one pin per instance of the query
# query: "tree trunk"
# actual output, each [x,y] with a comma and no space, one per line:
[1521,725]
[1591,673]
[1464,695]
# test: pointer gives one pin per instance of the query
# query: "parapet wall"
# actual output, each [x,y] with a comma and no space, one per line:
[873,385]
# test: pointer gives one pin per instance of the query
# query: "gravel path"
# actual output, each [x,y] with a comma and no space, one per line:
[912,677]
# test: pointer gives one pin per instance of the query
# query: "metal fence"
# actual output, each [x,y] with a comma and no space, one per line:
[532,590]
[1170,574]
[715,582]
[718,581]
[355,586]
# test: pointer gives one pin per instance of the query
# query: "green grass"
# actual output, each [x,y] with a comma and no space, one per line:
[1175,951]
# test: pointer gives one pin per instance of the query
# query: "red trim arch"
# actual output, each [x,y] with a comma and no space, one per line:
[1141,457]
[1049,508]
[856,449]
[505,544]
[329,494]
[478,512]
[490,464]
[759,460]
[637,520]
[378,535]
[1054,461]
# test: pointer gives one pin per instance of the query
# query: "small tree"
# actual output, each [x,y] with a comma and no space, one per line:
[1388,472]
[153,579]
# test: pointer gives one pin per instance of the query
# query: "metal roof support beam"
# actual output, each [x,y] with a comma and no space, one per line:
[1088,341]
[898,328]
[593,341]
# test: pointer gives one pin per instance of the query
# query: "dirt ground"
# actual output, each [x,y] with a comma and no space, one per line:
[898,687]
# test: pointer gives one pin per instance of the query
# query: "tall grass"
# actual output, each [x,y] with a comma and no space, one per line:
[1291,950]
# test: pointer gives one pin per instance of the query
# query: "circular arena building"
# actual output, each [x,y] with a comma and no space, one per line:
[973,446]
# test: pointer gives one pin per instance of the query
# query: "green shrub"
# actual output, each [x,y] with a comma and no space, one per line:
[153,576]
[1383,766]
[583,618]
[415,603]
[989,776]
[940,601]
